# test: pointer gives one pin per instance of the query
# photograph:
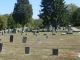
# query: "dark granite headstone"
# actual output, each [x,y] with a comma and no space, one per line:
[54,51]
[27,50]
[24,39]
[11,38]
[1,44]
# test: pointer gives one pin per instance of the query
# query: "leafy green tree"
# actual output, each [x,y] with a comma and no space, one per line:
[71,8]
[35,23]
[38,23]
[52,12]
[10,23]
[76,18]
[65,20]
[22,12]
[3,21]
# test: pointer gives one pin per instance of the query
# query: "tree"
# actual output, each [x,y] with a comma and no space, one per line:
[52,12]
[10,22]
[76,18]
[71,8]
[1,24]
[3,21]
[22,12]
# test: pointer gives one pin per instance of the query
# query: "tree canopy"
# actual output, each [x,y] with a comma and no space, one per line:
[52,12]
[22,12]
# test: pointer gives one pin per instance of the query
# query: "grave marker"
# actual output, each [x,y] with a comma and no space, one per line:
[69,30]
[24,39]
[0,40]
[55,52]
[1,44]
[45,34]
[11,38]
[27,50]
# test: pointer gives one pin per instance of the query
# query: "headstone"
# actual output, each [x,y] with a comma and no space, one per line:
[24,39]
[2,32]
[45,34]
[0,40]
[25,34]
[63,34]
[53,33]
[11,38]
[34,32]
[54,51]
[27,50]
[50,28]
[69,30]
[1,44]
[13,30]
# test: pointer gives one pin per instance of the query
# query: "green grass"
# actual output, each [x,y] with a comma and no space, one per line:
[40,46]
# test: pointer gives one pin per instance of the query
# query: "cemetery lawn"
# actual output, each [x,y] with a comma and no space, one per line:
[40,46]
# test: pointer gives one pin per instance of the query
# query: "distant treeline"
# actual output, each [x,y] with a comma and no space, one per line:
[71,17]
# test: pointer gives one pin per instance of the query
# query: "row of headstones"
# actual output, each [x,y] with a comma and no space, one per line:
[54,51]
[24,40]
[27,50]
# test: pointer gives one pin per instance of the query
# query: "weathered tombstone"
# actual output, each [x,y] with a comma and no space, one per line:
[11,38]
[0,40]
[53,33]
[13,30]
[63,34]
[24,39]
[27,50]
[54,51]
[2,32]
[69,30]
[50,28]
[25,34]
[45,34]
[34,32]
[1,44]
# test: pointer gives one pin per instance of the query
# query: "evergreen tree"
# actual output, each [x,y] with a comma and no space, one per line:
[22,12]
[52,12]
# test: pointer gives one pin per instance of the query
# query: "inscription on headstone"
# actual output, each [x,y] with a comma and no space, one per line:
[27,50]
[1,44]
[11,38]
[24,39]
[54,51]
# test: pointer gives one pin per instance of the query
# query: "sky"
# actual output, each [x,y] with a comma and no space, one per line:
[7,6]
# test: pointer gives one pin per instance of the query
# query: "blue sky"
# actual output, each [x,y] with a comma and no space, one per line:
[8,6]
